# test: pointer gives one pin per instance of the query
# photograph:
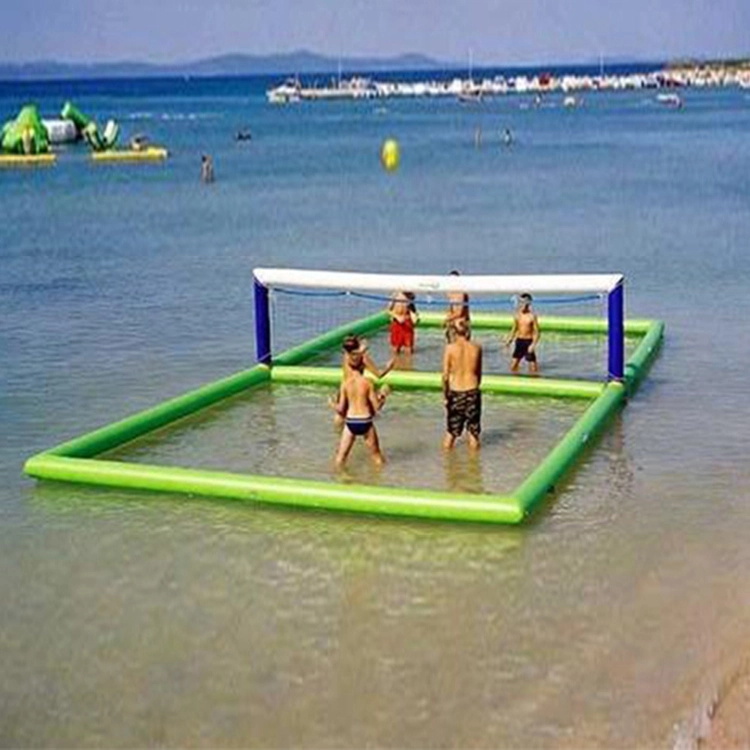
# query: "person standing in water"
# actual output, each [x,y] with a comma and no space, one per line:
[207,169]
[462,376]
[404,317]
[458,309]
[525,332]
[355,350]
[358,404]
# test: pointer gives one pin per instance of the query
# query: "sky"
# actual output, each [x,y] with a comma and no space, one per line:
[502,32]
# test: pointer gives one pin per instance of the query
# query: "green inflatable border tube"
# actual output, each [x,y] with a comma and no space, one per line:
[557,323]
[543,479]
[118,433]
[637,366]
[167,412]
[521,386]
[282,491]
[547,474]
[73,461]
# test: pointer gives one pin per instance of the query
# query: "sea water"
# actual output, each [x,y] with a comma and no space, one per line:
[134,619]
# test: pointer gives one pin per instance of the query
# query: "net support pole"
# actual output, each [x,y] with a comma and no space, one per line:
[616,320]
[262,323]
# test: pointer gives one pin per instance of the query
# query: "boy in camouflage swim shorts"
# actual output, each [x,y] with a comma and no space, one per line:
[462,376]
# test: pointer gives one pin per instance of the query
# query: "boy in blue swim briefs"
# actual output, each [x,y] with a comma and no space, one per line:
[358,403]
[355,349]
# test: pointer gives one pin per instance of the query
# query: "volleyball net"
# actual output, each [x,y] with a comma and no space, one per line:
[581,316]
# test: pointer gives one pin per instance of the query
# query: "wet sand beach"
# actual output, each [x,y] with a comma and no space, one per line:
[729,728]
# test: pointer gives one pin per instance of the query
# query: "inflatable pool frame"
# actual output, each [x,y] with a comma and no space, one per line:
[149,154]
[27,160]
[77,460]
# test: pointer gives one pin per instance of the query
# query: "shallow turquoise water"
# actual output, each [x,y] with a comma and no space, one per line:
[159,620]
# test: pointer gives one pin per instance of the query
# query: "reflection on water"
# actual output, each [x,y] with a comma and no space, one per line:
[463,470]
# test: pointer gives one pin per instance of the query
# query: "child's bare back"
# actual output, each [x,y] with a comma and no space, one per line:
[358,403]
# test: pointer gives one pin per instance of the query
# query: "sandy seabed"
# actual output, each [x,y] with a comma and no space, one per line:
[730,726]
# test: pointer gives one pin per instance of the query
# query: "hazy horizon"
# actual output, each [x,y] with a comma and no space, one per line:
[462,63]
[490,32]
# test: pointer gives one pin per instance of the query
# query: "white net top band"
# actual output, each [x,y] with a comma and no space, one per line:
[382,282]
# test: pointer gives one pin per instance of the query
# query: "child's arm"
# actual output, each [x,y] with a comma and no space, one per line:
[535,336]
[389,365]
[376,403]
[514,329]
[383,394]
[446,373]
[340,403]
[373,368]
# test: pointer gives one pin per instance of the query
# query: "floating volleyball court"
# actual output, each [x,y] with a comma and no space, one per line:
[307,362]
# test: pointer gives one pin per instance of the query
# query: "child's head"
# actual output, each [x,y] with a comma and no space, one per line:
[461,328]
[355,349]
[524,301]
[353,344]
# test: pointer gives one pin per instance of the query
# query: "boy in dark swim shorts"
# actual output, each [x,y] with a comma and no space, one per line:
[525,332]
[462,376]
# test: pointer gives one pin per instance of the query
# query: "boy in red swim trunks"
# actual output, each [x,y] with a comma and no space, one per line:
[404,317]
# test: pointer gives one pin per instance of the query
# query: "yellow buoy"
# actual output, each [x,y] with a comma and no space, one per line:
[390,155]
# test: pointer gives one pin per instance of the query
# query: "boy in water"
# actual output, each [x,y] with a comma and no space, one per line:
[207,169]
[355,351]
[404,316]
[525,331]
[462,376]
[358,403]
[458,309]
[354,347]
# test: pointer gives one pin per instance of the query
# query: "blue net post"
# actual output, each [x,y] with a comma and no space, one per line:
[616,316]
[262,323]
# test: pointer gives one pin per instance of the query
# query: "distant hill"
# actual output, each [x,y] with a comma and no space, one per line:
[302,62]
